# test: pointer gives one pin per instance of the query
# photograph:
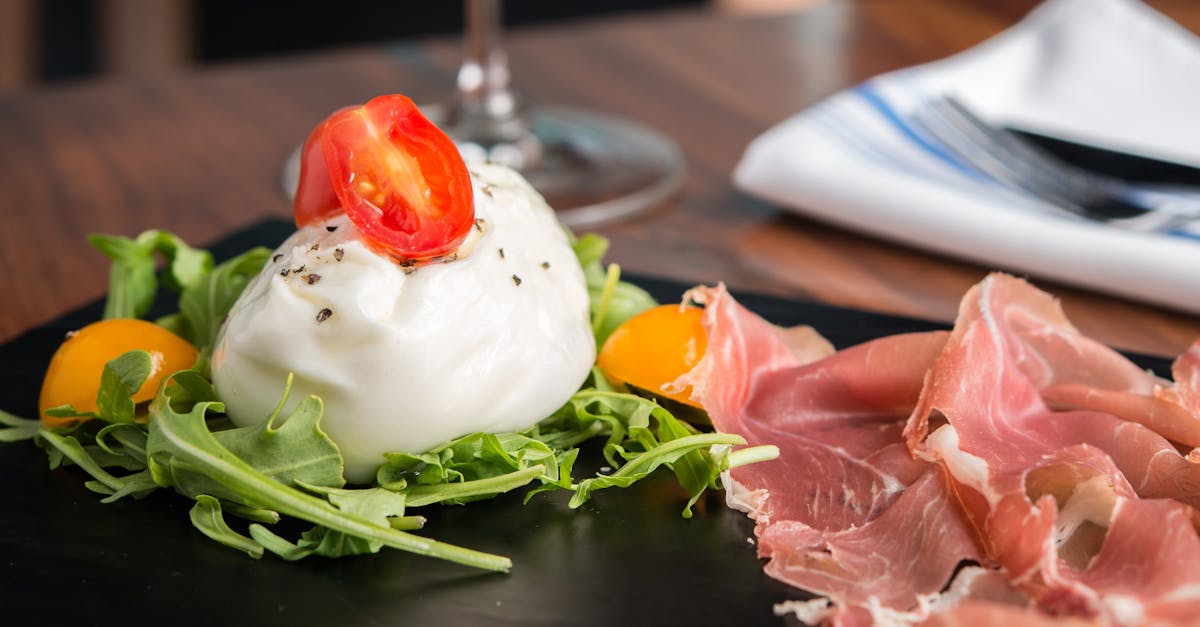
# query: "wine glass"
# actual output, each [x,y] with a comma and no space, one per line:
[591,167]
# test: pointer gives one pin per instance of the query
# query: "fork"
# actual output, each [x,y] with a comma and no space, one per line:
[1006,158]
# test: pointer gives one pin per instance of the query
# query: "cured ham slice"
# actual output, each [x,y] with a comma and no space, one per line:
[921,535]
[999,433]
[983,614]
[1146,571]
[1186,371]
[1075,372]
[845,504]
[1013,442]
[848,435]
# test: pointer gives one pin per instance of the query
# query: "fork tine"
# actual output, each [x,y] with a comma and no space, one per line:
[1011,161]
[1036,165]
[977,150]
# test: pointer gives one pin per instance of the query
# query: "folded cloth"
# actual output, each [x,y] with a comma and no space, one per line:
[1110,73]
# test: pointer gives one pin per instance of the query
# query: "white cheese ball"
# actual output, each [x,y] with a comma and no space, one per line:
[408,358]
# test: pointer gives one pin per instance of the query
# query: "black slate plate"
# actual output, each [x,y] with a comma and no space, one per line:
[626,557]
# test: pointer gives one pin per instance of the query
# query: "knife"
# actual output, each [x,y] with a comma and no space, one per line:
[1122,165]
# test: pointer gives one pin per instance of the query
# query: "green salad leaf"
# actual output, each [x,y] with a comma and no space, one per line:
[287,449]
[17,429]
[204,303]
[470,468]
[640,437]
[121,377]
[287,467]
[384,507]
[133,282]
[205,293]
[181,448]
[208,517]
[613,301]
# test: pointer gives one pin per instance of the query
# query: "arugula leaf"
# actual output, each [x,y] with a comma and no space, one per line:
[274,543]
[105,483]
[375,504]
[93,453]
[589,249]
[206,293]
[15,428]
[470,468]
[188,387]
[204,303]
[640,437]
[624,301]
[612,301]
[132,282]
[206,515]
[180,444]
[121,452]
[291,450]
[635,447]
[137,485]
[121,379]
[188,266]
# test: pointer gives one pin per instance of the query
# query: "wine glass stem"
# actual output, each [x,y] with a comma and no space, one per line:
[483,79]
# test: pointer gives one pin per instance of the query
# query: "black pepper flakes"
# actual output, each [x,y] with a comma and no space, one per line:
[545,265]
[324,315]
[516,280]
[299,270]
[502,253]
[315,247]
[479,222]
[331,227]
[487,190]
[277,257]
[311,278]
[338,253]
[285,272]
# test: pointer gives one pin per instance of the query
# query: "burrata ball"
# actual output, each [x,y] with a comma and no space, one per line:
[492,338]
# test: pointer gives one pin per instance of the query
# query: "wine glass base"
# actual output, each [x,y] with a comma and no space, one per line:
[595,168]
[592,168]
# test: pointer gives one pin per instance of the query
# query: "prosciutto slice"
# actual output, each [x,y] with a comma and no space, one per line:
[1044,479]
[845,504]
[1074,371]
[1013,442]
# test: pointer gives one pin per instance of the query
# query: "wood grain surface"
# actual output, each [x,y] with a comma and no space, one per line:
[200,153]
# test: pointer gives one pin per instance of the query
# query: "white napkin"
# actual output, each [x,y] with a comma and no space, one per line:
[1111,73]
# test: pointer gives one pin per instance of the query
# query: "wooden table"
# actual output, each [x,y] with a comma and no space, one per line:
[200,154]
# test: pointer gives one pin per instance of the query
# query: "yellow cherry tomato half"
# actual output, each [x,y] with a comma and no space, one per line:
[73,377]
[654,348]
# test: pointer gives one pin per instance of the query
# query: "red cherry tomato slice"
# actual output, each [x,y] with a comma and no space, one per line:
[398,177]
[315,199]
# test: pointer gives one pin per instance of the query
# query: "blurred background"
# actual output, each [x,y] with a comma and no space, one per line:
[54,41]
